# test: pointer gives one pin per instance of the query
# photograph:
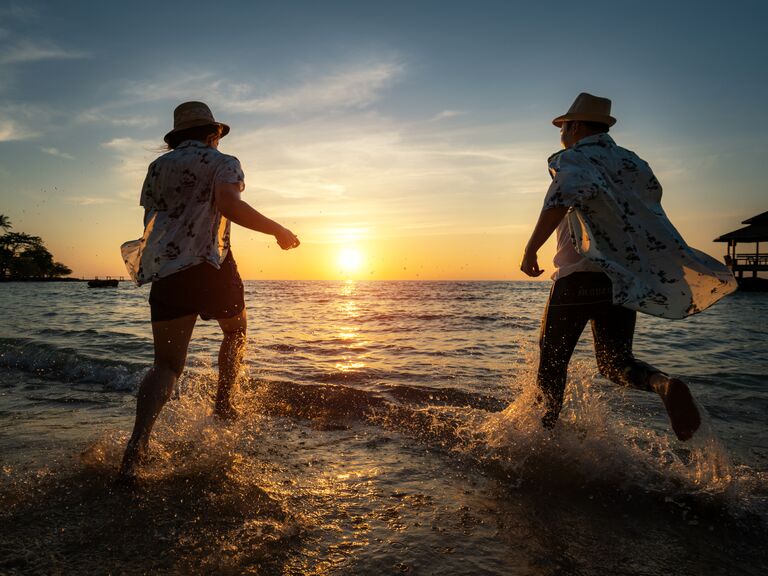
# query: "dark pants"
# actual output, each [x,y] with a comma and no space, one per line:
[574,300]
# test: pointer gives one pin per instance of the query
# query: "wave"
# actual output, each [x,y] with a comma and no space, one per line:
[67,365]
[592,448]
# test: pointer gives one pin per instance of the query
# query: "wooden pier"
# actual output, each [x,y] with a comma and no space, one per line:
[746,266]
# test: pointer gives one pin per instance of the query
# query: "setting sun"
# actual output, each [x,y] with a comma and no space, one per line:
[350,260]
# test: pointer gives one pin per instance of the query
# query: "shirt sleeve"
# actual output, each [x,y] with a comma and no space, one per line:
[147,199]
[653,186]
[230,172]
[574,180]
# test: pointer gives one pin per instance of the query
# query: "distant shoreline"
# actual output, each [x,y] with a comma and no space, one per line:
[9,280]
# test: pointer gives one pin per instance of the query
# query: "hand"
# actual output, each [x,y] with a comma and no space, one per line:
[286,239]
[530,265]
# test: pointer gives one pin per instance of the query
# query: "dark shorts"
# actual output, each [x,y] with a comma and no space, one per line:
[201,289]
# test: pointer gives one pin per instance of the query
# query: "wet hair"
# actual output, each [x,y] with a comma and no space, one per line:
[596,127]
[205,134]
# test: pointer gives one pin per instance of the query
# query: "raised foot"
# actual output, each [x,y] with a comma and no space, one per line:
[682,411]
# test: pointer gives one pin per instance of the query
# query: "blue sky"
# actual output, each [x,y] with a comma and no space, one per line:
[418,131]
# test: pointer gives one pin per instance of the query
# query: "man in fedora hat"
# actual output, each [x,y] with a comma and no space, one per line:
[617,253]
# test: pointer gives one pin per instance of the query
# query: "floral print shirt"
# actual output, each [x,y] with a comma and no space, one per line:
[615,221]
[182,226]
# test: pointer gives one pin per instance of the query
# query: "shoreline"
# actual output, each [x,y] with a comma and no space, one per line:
[8,280]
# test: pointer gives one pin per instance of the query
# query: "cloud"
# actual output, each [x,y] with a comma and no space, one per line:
[356,87]
[11,130]
[34,51]
[371,170]
[22,121]
[353,87]
[445,114]
[352,166]
[170,88]
[101,116]
[58,153]
[89,200]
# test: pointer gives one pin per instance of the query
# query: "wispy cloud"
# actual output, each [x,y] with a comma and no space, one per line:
[102,116]
[355,87]
[445,114]
[23,121]
[58,153]
[11,130]
[365,168]
[32,51]
[89,200]
[171,87]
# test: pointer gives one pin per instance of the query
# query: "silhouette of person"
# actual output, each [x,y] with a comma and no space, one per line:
[190,196]
[617,253]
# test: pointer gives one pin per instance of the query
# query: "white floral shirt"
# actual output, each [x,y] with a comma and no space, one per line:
[182,226]
[616,222]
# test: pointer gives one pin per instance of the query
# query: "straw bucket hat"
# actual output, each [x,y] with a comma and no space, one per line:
[192,115]
[588,108]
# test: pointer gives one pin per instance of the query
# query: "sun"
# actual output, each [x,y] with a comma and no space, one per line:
[350,260]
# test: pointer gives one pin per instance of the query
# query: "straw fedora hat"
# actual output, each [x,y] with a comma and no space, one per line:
[192,115]
[588,108]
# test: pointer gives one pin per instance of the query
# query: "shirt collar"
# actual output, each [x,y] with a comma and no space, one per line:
[194,143]
[601,138]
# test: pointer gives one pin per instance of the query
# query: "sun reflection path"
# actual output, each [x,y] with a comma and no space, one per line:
[349,334]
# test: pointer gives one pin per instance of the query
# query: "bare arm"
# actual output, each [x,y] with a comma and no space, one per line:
[548,221]
[232,207]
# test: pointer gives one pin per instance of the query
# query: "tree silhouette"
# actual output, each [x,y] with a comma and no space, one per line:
[25,256]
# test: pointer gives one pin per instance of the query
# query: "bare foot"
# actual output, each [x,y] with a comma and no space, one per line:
[135,455]
[225,411]
[680,406]
[551,411]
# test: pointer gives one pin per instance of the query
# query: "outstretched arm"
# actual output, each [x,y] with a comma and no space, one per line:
[548,221]
[232,207]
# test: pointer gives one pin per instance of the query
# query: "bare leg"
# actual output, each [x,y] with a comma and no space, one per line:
[613,333]
[230,360]
[679,403]
[171,340]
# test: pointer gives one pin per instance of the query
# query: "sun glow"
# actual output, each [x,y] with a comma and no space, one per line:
[350,260]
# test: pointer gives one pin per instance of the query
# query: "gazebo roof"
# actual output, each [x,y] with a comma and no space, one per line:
[757,231]
[759,219]
[747,234]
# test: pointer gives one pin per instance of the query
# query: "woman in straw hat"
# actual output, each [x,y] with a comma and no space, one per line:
[617,253]
[190,196]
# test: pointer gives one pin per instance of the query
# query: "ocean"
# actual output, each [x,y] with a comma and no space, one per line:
[387,428]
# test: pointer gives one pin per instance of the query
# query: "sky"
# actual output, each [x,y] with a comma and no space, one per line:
[413,135]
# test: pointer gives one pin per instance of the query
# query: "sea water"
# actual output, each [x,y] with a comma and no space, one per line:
[388,427]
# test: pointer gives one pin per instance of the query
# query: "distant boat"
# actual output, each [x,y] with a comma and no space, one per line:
[107,282]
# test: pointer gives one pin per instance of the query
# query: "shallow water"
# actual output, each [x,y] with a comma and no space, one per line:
[387,428]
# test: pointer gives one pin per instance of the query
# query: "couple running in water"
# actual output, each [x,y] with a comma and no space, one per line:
[616,253]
